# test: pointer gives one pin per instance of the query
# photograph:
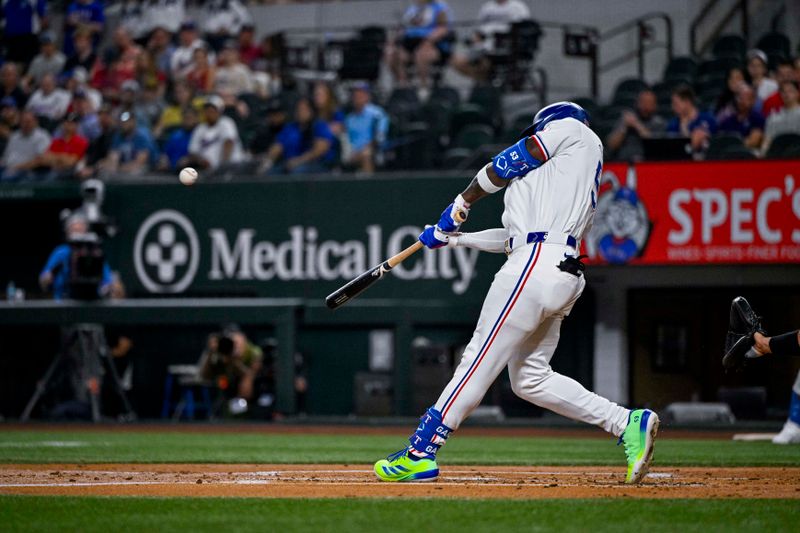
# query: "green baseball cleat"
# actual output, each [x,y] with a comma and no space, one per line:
[639,438]
[400,467]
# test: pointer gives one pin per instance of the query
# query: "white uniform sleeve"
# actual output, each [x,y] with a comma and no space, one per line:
[194,142]
[490,240]
[556,136]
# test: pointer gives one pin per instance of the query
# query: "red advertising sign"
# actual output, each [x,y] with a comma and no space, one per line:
[698,213]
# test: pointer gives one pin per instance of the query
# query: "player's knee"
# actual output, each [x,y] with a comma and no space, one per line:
[531,386]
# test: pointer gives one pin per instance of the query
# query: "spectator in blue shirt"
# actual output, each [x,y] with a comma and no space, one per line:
[745,120]
[56,273]
[426,39]
[177,145]
[132,149]
[88,14]
[302,146]
[690,122]
[366,127]
[23,19]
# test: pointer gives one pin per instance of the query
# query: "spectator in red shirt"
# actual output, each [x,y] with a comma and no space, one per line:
[784,72]
[65,152]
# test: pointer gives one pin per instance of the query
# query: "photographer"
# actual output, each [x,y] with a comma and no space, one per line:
[232,362]
[57,273]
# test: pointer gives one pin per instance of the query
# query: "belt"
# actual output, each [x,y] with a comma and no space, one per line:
[540,236]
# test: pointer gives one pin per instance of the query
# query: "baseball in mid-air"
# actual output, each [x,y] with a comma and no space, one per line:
[188,176]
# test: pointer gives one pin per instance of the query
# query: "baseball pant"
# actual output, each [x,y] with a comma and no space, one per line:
[519,327]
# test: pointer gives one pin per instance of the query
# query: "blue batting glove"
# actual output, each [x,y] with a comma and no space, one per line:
[448,222]
[433,237]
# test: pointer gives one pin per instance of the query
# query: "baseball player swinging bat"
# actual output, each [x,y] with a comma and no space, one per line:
[365,280]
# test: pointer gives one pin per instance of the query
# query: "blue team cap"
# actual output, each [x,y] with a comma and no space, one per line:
[556,111]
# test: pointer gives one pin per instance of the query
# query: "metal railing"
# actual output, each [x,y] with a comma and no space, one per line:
[739,7]
[645,42]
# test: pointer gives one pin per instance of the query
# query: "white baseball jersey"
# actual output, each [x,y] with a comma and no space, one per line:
[561,195]
[520,321]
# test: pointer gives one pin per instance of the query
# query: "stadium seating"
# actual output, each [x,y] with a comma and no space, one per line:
[784,146]
[473,136]
[729,46]
[626,91]
[683,68]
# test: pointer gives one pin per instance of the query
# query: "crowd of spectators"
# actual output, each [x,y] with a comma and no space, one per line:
[159,90]
[756,105]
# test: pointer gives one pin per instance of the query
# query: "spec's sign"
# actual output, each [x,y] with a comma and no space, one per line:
[696,213]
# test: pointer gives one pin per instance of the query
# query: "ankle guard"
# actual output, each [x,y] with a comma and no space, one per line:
[785,344]
[431,433]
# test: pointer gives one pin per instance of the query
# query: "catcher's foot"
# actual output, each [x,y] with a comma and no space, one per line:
[790,434]
[400,466]
[742,326]
[639,439]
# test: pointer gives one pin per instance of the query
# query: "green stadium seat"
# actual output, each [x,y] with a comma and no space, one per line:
[736,153]
[456,158]
[729,46]
[775,43]
[487,97]
[449,95]
[718,66]
[681,68]
[785,146]
[468,114]
[473,136]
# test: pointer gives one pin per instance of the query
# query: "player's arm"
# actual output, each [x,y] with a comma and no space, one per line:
[515,161]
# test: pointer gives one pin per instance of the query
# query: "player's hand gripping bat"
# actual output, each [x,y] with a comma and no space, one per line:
[365,280]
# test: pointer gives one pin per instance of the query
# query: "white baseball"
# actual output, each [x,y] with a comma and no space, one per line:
[188,176]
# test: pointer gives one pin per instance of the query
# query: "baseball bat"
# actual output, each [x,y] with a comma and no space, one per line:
[365,280]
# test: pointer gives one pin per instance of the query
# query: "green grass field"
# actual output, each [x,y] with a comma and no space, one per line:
[56,513]
[25,513]
[182,447]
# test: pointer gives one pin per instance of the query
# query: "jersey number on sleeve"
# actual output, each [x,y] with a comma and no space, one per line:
[596,190]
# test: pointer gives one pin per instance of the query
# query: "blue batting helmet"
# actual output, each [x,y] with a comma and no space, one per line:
[556,111]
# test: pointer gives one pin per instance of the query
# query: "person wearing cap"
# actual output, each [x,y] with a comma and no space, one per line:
[132,149]
[49,60]
[23,20]
[215,143]
[183,57]
[49,100]
[76,84]
[231,75]
[366,128]
[222,20]
[24,146]
[757,67]
[88,14]
[66,150]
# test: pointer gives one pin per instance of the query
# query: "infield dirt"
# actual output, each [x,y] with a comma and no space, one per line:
[338,481]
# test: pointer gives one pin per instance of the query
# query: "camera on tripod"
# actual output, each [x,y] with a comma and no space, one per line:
[87,259]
